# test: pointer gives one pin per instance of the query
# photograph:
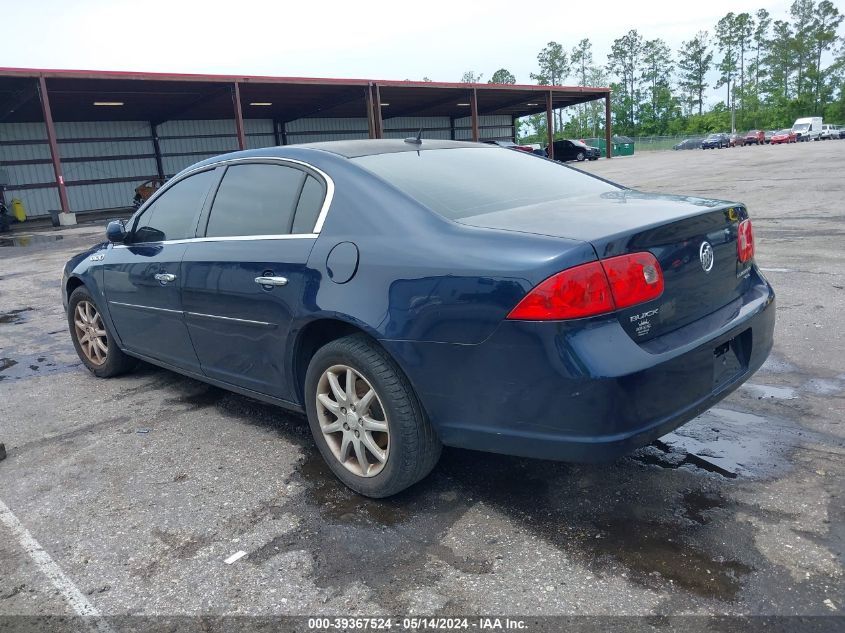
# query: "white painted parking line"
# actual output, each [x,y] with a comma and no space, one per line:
[50,568]
[234,557]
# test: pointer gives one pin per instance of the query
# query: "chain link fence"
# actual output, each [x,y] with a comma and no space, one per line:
[652,143]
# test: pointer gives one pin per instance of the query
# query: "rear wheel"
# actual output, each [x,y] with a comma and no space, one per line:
[94,344]
[366,419]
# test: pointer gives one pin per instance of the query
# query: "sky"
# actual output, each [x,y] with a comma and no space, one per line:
[327,38]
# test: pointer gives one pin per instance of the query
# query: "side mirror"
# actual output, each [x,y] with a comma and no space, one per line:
[116,231]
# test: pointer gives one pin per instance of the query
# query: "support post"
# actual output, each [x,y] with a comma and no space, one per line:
[473,101]
[157,150]
[379,123]
[276,138]
[550,125]
[239,117]
[371,123]
[54,146]
[452,128]
[513,127]
[608,132]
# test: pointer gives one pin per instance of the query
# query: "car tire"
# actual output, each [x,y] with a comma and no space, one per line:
[408,444]
[95,344]
[579,156]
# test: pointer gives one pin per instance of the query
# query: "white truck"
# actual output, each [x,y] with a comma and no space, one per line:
[808,129]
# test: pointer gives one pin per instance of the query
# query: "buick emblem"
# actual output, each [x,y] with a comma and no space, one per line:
[705,254]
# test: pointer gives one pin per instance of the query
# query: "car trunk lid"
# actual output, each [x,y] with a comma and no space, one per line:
[693,239]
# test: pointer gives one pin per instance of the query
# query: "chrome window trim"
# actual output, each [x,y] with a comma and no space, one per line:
[318,225]
[235,238]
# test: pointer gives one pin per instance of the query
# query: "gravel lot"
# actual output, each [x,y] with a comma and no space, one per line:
[139,487]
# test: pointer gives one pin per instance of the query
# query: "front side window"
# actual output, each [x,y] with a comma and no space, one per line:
[255,199]
[173,215]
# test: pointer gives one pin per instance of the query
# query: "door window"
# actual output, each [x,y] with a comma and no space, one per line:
[308,208]
[255,199]
[173,215]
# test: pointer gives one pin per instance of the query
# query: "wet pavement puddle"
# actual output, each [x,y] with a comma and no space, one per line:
[13,317]
[29,240]
[730,443]
[770,391]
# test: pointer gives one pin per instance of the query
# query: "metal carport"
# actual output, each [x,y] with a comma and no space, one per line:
[108,130]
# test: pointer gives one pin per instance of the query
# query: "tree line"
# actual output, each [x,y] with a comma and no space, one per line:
[772,72]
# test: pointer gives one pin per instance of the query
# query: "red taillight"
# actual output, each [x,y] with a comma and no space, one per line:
[593,288]
[745,241]
[578,292]
[634,278]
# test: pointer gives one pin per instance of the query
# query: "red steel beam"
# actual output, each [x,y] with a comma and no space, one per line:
[239,116]
[608,131]
[259,79]
[550,125]
[473,101]
[54,146]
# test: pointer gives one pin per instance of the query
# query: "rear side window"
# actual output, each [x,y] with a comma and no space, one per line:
[173,215]
[310,203]
[463,182]
[255,199]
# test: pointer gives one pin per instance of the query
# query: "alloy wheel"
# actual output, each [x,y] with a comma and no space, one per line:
[91,332]
[353,420]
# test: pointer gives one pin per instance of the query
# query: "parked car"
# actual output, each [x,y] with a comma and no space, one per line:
[347,292]
[828,132]
[808,128]
[716,141]
[755,137]
[784,136]
[570,149]
[768,136]
[688,143]
[510,145]
[736,140]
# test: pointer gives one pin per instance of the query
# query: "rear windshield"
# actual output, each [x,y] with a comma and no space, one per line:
[462,182]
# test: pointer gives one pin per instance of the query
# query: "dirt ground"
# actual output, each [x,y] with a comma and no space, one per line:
[138,488]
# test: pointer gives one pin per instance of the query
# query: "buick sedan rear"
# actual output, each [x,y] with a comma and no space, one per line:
[407,295]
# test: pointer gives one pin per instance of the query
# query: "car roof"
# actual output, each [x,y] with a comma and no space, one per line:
[346,149]
[368,147]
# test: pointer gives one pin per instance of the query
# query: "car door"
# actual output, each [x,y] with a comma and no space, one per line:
[141,276]
[246,279]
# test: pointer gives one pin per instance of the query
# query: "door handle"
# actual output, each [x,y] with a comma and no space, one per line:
[271,281]
[165,278]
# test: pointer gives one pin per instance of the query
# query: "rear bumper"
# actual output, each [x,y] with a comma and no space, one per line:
[584,391]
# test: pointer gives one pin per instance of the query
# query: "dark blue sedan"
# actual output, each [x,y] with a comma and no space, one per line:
[409,294]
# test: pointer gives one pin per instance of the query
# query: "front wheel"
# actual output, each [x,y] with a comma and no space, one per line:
[366,420]
[94,344]
[579,156]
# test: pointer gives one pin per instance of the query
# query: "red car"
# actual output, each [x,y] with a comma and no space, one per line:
[737,140]
[784,136]
[755,137]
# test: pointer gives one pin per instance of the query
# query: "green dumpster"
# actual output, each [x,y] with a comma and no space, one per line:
[622,145]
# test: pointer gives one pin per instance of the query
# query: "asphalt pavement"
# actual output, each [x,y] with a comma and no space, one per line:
[138,489]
